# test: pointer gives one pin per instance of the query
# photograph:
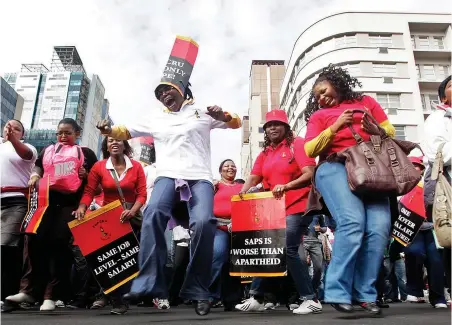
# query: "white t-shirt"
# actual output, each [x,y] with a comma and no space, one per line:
[181,139]
[15,171]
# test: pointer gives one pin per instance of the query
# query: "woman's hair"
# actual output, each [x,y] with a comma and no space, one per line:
[21,125]
[289,136]
[342,82]
[442,88]
[222,164]
[188,94]
[72,122]
[128,151]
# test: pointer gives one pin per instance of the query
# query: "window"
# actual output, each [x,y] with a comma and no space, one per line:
[400,132]
[438,43]
[353,69]
[429,101]
[380,41]
[444,71]
[429,72]
[261,129]
[345,41]
[385,70]
[389,100]
[423,42]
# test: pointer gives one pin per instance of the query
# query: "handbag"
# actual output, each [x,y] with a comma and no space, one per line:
[441,213]
[379,166]
[137,219]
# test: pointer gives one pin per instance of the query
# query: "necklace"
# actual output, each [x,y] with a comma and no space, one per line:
[226,183]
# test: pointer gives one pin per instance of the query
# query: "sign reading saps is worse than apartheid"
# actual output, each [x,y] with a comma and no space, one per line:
[38,202]
[109,246]
[258,235]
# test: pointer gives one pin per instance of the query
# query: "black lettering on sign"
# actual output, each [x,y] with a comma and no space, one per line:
[115,262]
[407,225]
[258,251]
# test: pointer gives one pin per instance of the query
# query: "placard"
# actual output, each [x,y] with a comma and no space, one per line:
[109,246]
[258,244]
[38,202]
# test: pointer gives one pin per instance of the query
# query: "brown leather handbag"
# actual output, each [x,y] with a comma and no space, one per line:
[379,166]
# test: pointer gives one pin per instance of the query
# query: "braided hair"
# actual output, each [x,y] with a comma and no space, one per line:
[342,82]
[289,136]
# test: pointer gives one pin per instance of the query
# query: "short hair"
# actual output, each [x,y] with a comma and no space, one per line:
[442,88]
[72,122]
[128,151]
[222,164]
[21,125]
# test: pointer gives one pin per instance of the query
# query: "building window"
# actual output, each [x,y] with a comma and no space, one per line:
[261,129]
[438,43]
[400,132]
[385,70]
[429,101]
[444,71]
[380,40]
[353,69]
[423,42]
[389,100]
[429,72]
[413,42]
[345,41]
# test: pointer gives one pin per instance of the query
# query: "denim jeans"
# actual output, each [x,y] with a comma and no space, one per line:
[296,226]
[153,250]
[362,232]
[424,246]
[314,247]
[220,257]
[395,279]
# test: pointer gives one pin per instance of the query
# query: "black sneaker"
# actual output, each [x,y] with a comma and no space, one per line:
[119,310]
[371,308]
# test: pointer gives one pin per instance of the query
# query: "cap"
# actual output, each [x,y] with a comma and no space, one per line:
[180,64]
[278,115]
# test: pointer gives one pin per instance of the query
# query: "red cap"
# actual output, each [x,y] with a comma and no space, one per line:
[278,115]
[417,161]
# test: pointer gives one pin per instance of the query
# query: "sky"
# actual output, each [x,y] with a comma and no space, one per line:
[127,43]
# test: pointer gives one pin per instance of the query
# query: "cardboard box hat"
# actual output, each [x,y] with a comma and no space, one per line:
[180,64]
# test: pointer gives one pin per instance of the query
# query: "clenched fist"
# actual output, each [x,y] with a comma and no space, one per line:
[104,126]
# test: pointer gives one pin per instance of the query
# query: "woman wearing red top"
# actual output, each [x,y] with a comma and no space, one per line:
[131,178]
[285,168]
[363,223]
[225,188]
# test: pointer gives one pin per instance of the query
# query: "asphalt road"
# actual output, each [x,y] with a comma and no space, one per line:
[398,314]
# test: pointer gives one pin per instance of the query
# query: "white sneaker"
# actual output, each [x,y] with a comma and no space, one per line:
[271,306]
[250,304]
[415,299]
[162,303]
[47,305]
[20,297]
[59,304]
[293,306]
[308,307]
[440,305]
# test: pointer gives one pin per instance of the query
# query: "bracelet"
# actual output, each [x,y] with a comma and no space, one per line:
[35,174]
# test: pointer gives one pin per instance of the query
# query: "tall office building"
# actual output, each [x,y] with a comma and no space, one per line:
[104,115]
[265,85]
[90,137]
[11,103]
[400,63]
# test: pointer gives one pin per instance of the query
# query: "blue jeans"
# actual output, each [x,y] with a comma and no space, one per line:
[296,226]
[424,246]
[153,250]
[220,257]
[362,232]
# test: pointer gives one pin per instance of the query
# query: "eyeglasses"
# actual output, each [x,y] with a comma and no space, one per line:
[66,133]
[163,90]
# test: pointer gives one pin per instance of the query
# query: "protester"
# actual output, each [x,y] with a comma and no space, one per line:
[16,162]
[46,252]
[182,140]
[363,223]
[284,167]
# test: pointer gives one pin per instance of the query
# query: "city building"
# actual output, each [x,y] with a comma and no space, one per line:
[53,94]
[265,85]
[11,103]
[104,115]
[90,137]
[400,58]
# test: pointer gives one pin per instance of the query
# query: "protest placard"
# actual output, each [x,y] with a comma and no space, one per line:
[38,202]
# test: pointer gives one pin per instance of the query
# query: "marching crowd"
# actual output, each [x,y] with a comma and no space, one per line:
[338,250]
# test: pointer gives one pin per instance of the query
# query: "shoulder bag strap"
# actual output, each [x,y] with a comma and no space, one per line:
[438,165]
[118,186]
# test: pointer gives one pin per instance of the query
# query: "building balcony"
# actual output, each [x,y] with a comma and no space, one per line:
[431,53]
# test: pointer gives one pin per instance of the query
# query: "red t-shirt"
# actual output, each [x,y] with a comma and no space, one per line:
[133,184]
[222,201]
[325,117]
[273,165]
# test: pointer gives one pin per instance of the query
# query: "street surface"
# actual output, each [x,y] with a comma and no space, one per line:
[398,314]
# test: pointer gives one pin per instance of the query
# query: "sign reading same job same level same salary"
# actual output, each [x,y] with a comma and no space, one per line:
[110,247]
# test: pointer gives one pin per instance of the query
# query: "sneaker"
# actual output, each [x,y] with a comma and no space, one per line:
[308,307]
[162,303]
[47,305]
[99,303]
[60,304]
[119,309]
[293,306]
[414,299]
[250,304]
[440,303]
[20,297]
[271,306]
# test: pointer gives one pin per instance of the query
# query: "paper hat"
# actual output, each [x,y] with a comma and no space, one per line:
[278,115]
[143,149]
[180,64]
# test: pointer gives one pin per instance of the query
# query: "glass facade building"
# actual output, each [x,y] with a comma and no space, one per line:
[11,103]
